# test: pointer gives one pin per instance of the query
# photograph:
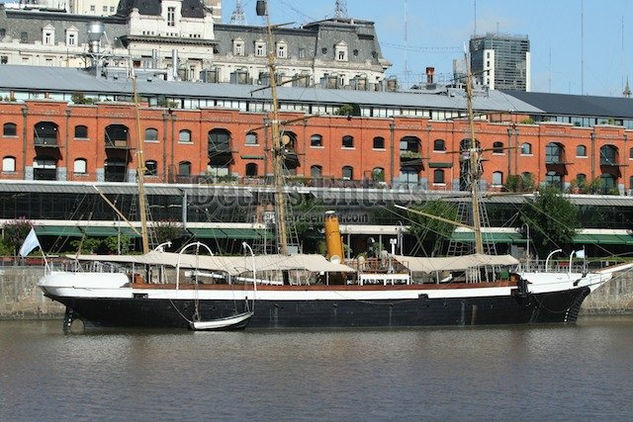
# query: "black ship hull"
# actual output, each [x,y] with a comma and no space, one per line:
[551,307]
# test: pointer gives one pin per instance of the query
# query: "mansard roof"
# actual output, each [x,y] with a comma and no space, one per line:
[190,8]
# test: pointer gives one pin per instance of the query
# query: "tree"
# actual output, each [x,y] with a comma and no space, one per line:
[14,234]
[552,218]
[520,183]
[168,230]
[429,231]
[86,245]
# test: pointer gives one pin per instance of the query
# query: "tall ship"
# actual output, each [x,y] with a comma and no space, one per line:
[202,291]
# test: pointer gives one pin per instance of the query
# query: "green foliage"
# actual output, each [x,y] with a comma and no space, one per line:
[528,121]
[14,234]
[552,218]
[429,231]
[168,230]
[112,244]
[594,187]
[86,245]
[519,183]
[348,110]
[80,98]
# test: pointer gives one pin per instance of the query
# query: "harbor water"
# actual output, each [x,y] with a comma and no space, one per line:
[582,371]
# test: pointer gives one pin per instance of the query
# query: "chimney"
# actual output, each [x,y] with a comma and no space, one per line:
[430,71]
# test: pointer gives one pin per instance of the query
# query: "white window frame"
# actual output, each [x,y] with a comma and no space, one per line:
[8,164]
[80,166]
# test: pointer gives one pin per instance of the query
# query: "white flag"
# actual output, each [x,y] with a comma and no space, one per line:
[30,243]
[580,253]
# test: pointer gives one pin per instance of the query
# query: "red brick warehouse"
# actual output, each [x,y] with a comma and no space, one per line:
[54,140]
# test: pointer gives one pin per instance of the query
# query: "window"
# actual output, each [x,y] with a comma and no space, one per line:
[608,155]
[554,179]
[378,174]
[80,166]
[581,151]
[24,37]
[9,129]
[497,147]
[379,142]
[81,132]
[497,178]
[553,153]
[581,178]
[111,9]
[316,141]
[4,59]
[410,144]
[3,33]
[282,50]
[184,136]
[316,172]
[92,8]
[45,168]
[260,49]
[631,153]
[341,55]
[251,170]
[8,164]
[238,47]
[151,135]
[340,52]
[526,149]
[348,173]
[439,145]
[184,168]
[71,39]
[348,141]
[104,8]
[48,35]
[608,181]
[151,168]
[438,177]
[171,16]
[251,138]
[302,53]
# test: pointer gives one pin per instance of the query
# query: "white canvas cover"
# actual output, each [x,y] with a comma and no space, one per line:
[233,265]
[453,263]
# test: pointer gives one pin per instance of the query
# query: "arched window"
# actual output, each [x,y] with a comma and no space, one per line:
[497,148]
[81,132]
[45,133]
[151,168]
[581,151]
[184,136]
[439,145]
[608,155]
[438,177]
[410,144]
[631,153]
[348,173]
[554,153]
[80,166]
[348,141]
[379,142]
[151,135]
[581,178]
[608,181]
[526,148]
[9,129]
[184,168]
[631,182]
[116,135]
[251,170]
[8,164]
[316,172]
[497,178]
[378,174]
[316,140]
[251,138]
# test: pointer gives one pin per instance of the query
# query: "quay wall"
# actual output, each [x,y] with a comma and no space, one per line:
[20,298]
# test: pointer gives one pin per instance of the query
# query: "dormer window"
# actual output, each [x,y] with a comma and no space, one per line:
[171,16]
[340,52]
[238,47]
[282,50]
[260,48]
[71,36]
[48,35]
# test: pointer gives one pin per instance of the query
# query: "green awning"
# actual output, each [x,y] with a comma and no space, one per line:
[66,231]
[494,237]
[440,165]
[603,239]
[228,233]
[100,231]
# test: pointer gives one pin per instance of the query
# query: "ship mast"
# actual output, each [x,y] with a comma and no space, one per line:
[474,162]
[277,142]
[140,172]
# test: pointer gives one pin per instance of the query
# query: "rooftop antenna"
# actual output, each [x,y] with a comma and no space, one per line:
[341,9]
[238,17]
